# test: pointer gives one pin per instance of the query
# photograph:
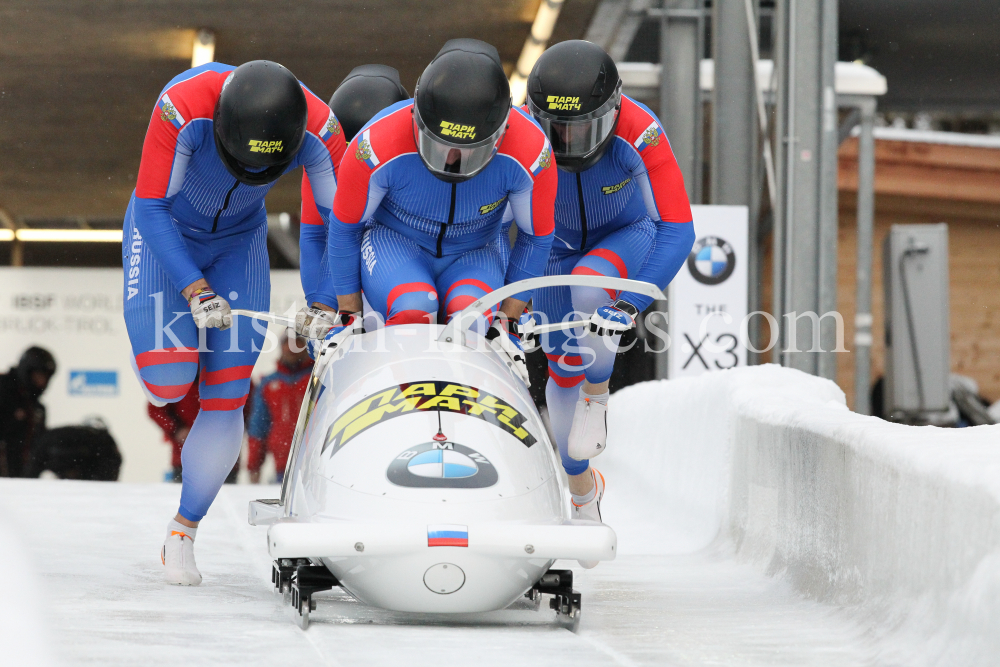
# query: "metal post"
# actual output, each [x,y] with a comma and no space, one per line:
[791,141]
[808,171]
[735,159]
[827,163]
[682,46]
[866,217]
[780,34]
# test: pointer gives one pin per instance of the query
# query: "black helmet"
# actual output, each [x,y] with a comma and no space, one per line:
[35,359]
[461,107]
[575,94]
[260,121]
[363,93]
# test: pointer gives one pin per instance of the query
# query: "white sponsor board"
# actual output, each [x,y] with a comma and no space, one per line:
[708,297]
[77,315]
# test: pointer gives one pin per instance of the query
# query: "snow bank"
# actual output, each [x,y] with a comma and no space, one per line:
[24,639]
[899,524]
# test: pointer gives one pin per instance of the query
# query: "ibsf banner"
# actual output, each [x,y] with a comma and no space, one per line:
[707,301]
[76,314]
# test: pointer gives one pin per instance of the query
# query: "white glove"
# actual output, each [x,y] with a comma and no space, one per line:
[352,322]
[507,343]
[209,310]
[315,323]
[530,339]
[614,319]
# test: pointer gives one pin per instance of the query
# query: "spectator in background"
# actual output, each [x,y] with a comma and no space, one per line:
[275,408]
[22,416]
[175,420]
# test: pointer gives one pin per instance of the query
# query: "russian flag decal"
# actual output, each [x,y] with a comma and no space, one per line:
[650,137]
[169,113]
[446,535]
[331,128]
[364,152]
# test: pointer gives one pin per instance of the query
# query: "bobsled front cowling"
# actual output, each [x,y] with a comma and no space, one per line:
[413,435]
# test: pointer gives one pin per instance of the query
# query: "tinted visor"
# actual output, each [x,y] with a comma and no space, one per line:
[455,162]
[578,136]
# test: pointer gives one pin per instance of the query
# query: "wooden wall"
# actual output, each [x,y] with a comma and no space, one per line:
[929,183]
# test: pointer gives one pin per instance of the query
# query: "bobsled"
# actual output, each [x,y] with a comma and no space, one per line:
[421,477]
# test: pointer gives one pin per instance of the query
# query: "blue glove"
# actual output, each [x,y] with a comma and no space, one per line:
[613,320]
[344,321]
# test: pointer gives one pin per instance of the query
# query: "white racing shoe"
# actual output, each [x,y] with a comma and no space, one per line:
[591,510]
[177,556]
[588,436]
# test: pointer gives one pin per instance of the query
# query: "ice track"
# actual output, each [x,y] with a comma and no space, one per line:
[95,548]
[759,523]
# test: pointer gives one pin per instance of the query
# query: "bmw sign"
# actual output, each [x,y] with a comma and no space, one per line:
[708,298]
[442,465]
[711,261]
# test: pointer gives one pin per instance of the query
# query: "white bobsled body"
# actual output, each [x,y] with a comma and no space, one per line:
[423,478]
[372,492]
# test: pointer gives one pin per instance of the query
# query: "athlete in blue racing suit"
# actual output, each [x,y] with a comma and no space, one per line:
[196,241]
[422,194]
[621,211]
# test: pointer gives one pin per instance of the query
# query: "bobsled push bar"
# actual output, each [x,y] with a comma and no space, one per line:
[456,328]
[467,317]
[267,317]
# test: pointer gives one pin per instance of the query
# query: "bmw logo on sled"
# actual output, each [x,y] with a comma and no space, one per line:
[421,477]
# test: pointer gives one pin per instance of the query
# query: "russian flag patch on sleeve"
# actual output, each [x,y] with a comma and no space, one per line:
[331,128]
[543,161]
[169,113]
[650,137]
[364,151]
[447,535]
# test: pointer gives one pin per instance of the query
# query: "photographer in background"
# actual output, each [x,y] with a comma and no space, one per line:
[22,416]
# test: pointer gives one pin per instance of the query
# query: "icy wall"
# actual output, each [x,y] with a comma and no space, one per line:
[898,525]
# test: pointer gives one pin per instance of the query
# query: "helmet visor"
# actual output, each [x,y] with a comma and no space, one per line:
[455,161]
[578,136]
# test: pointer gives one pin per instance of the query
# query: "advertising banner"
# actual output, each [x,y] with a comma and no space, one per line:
[708,297]
[76,314]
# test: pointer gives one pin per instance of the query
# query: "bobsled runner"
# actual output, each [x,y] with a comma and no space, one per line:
[421,477]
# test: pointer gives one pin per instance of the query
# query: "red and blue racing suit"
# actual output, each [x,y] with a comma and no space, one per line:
[189,219]
[421,248]
[628,216]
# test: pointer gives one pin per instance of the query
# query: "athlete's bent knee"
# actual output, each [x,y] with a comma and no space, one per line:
[167,374]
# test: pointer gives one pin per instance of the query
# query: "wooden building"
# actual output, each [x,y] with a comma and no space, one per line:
[931,177]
